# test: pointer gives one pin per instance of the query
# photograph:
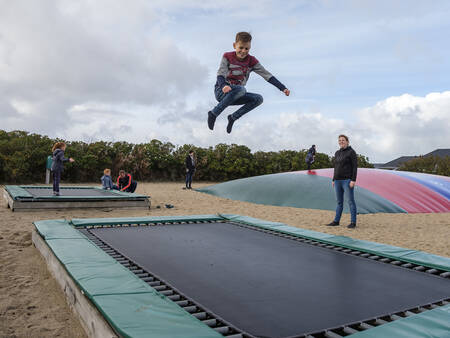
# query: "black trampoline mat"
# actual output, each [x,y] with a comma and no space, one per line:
[272,286]
[71,192]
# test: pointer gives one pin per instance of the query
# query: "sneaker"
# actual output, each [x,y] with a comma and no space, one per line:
[211,120]
[230,124]
[333,224]
[56,193]
[352,225]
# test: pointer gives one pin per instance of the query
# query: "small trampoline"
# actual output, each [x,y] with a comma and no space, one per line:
[244,277]
[20,198]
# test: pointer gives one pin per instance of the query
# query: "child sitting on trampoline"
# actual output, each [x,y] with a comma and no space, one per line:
[107,182]
[233,73]
[58,160]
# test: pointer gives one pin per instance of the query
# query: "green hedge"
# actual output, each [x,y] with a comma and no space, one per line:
[23,156]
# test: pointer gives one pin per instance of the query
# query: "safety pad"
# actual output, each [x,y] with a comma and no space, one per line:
[150,315]
[433,323]
[17,192]
[83,222]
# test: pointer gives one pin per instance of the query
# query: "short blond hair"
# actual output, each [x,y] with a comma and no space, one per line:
[107,171]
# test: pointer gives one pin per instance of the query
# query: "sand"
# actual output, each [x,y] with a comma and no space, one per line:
[33,305]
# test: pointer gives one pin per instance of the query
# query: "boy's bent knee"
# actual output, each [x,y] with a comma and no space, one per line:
[259,99]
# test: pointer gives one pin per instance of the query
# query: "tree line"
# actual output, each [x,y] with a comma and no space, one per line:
[428,164]
[23,157]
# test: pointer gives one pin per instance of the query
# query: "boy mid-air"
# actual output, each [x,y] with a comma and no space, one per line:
[232,76]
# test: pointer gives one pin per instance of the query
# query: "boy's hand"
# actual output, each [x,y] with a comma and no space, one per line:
[286,92]
[71,160]
[226,89]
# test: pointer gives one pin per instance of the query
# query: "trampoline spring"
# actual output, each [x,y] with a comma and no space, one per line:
[142,274]
[421,309]
[355,252]
[396,262]
[200,315]
[432,271]
[445,274]
[380,321]
[445,302]
[239,335]
[374,257]
[330,246]
[174,297]
[133,267]
[222,329]
[125,264]
[167,292]
[407,265]
[191,309]
[156,283]
[321,244]
[349,330]
[160,287]
[137,271]
[346,250]
[338,248]
[365,255]
[148,279]
[331,334]
[409,313]
[183,303]
[210,322]
[365,326]
[385,260]
[396,317]
[433,306]
[419,268]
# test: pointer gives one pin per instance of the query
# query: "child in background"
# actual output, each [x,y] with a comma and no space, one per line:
[107,182]
[58,164]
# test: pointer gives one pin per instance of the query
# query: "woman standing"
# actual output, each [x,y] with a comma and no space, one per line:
[344,179]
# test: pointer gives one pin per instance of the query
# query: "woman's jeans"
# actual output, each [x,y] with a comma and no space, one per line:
[189,175]
[56,180]
[341,187]
[237,96]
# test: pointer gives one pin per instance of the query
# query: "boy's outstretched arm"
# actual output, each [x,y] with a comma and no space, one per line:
[266,75]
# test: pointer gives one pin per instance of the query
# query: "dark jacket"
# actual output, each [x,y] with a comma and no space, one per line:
[58,160]
[345,164]
[310,155]
[189,163]
[125,182]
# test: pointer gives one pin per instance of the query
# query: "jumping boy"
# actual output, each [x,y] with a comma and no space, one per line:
[232,76]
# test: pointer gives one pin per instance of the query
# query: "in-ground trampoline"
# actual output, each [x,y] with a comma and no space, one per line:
[207,276]
[22,198]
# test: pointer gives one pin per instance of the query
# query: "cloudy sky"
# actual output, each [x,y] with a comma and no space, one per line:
[378,71]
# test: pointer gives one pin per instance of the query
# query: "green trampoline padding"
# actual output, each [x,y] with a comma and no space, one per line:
[45,193]
[301,191]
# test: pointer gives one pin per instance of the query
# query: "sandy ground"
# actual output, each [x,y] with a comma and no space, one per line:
[33,305]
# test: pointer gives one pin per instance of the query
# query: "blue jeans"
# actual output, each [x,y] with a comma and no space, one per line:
[341,187]
[237,96]
[189,175]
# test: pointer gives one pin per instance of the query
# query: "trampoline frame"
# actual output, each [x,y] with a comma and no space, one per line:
[19,199]
[416,260]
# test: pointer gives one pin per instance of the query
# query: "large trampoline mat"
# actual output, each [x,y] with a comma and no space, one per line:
[72,192]
[268,285]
